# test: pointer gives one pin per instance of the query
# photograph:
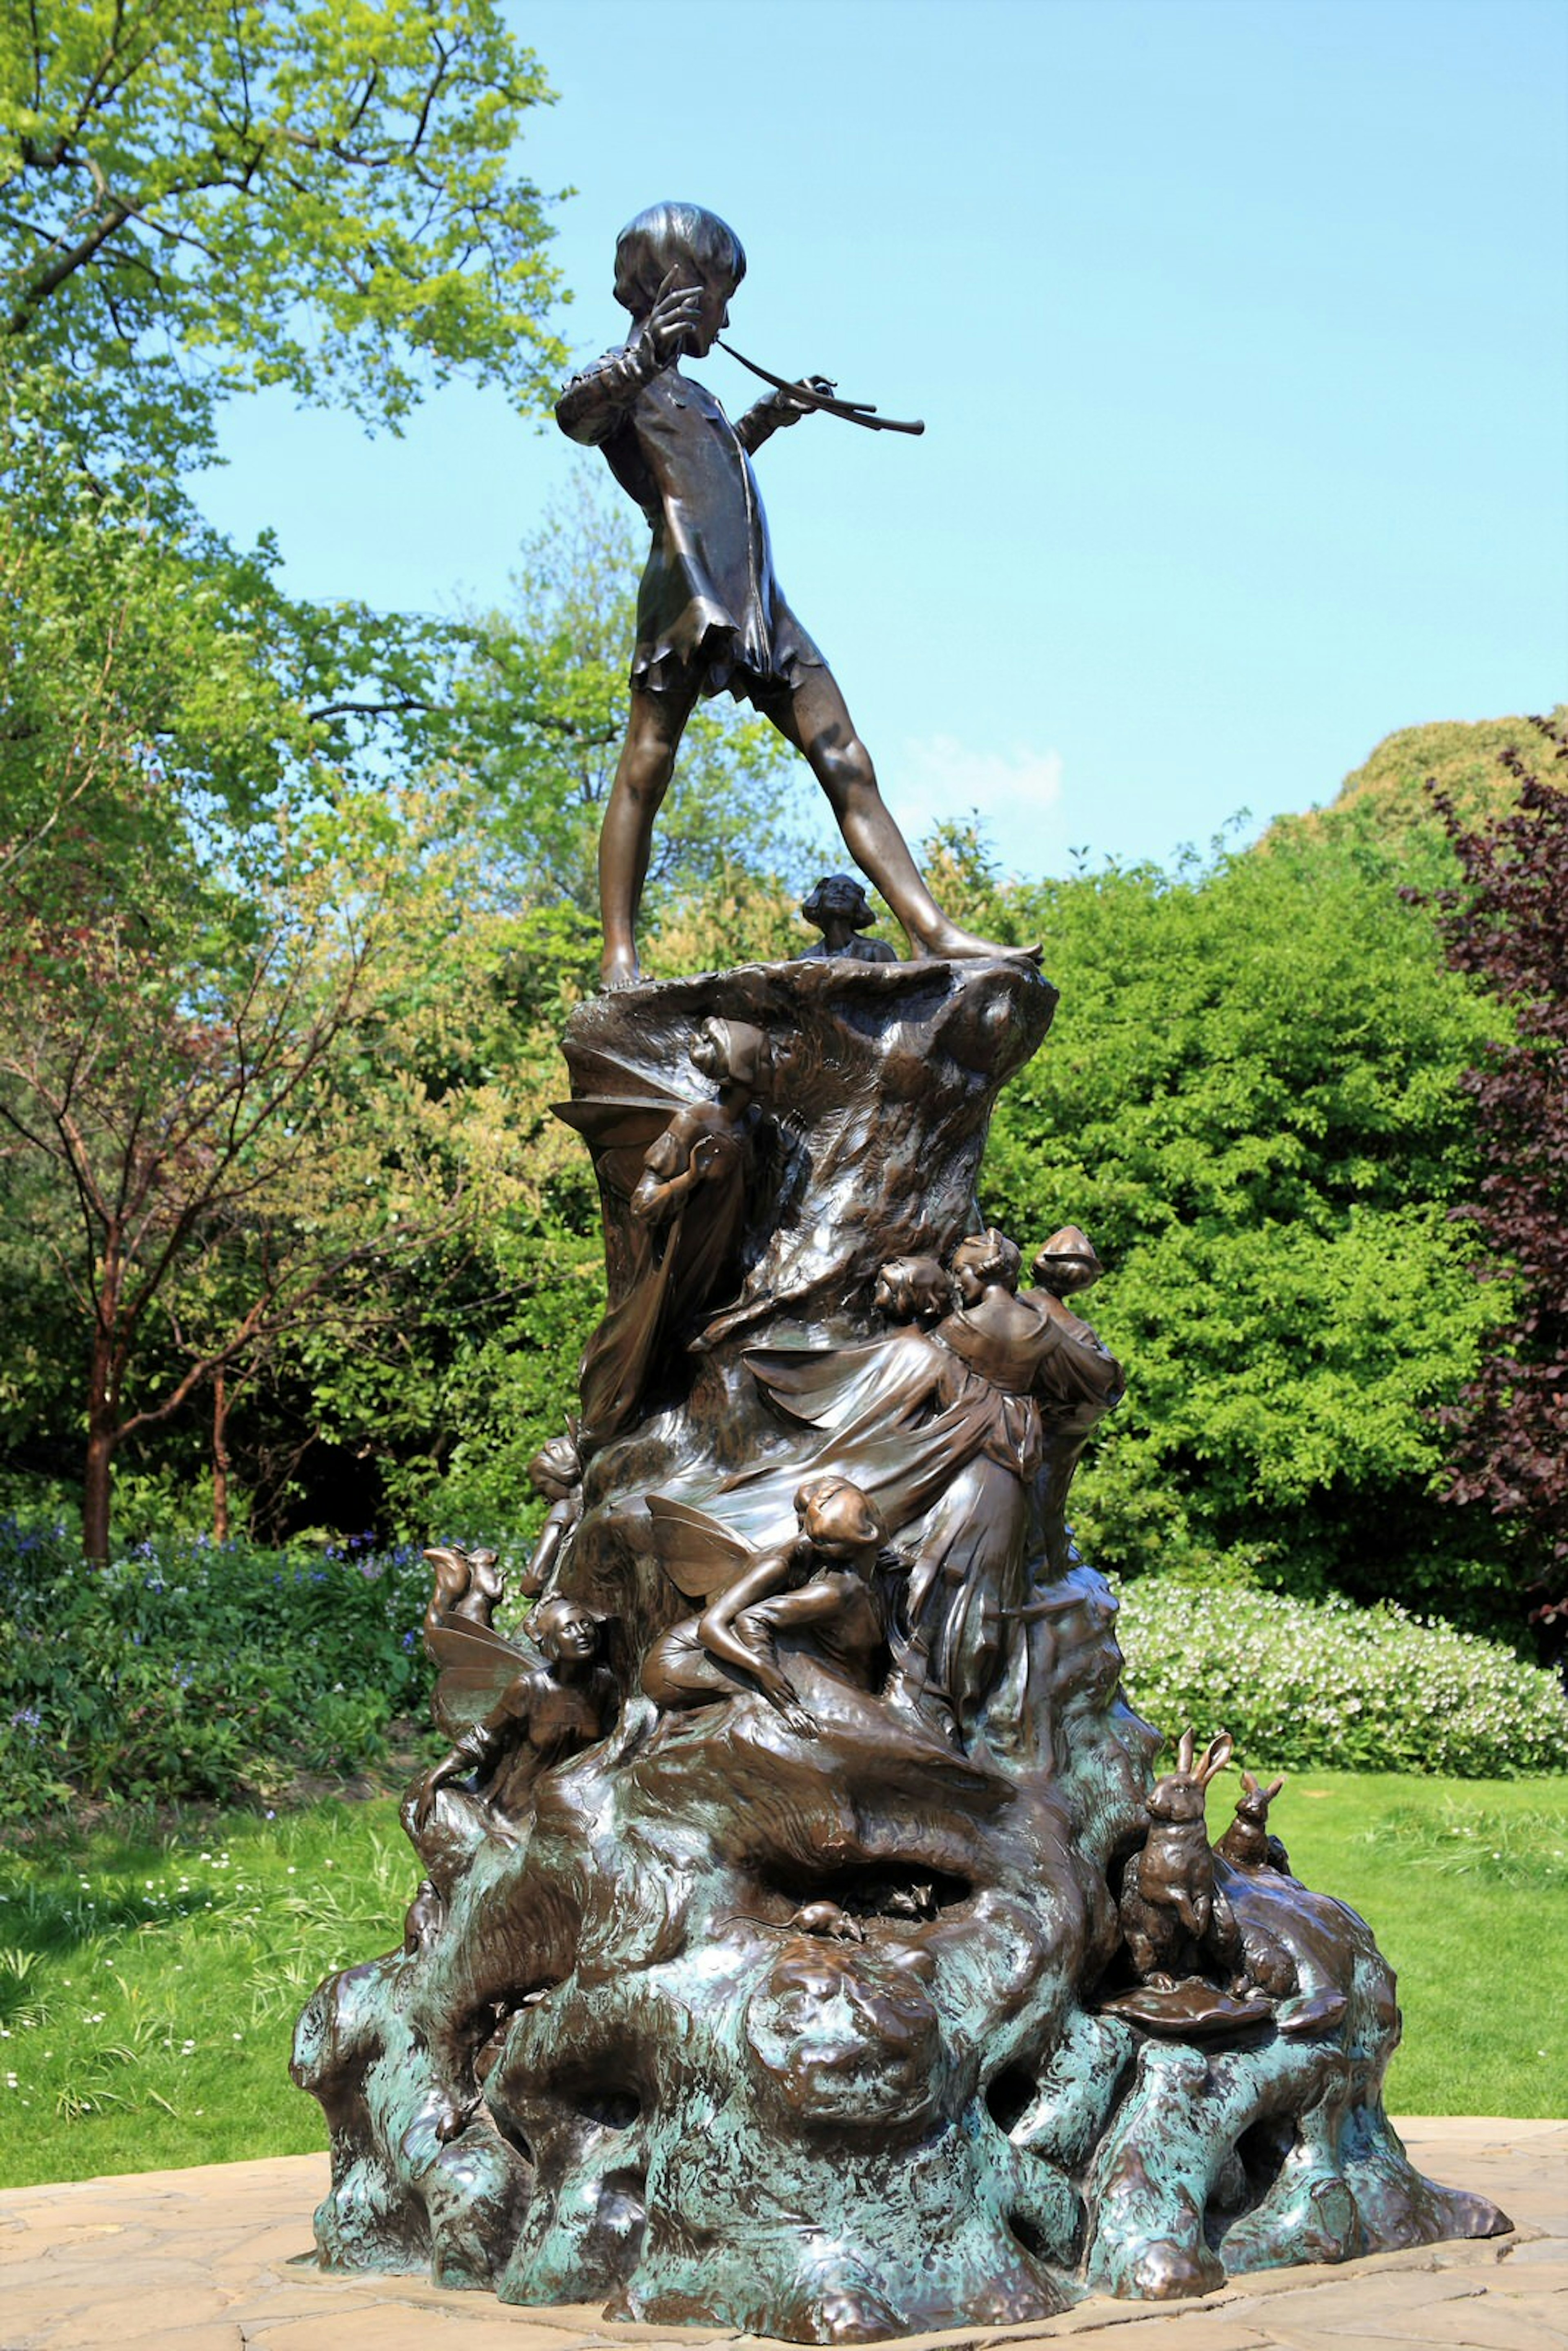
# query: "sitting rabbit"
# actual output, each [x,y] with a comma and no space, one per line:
[1249,1842]
[1176,1920]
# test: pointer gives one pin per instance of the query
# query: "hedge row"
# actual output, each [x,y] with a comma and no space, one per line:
[189,1670]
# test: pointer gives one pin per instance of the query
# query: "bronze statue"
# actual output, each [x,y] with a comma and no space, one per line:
[1250,1843]
[822,1583]
[546,1712]
[687,1210]
[820,1957]
[467,1586]
[1177,1918]
[946,1423]
[555,1474]
[710,612]
[839,909]
[914,1289]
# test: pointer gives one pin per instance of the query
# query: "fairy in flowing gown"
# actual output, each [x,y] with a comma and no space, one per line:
[961,1432]
[687,1212]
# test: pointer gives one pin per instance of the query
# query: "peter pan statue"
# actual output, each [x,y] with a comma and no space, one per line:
[710,612]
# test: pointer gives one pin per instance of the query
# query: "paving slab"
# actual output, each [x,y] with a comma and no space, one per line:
[209,2261]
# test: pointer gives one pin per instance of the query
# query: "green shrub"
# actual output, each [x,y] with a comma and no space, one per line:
[187,1668]
[1304,1684]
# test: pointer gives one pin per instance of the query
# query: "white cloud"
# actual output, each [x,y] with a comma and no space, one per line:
[1016,794]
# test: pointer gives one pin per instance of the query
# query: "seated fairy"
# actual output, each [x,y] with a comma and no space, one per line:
[544,1713]
[821,1583]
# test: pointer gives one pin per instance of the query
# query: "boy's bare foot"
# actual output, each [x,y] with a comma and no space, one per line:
[947,941]
[620,968]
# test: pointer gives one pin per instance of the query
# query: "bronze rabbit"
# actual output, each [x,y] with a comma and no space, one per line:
[1174,1918]
[1249,1842]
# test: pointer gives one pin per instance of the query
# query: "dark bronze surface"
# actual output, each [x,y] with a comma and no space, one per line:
[804,1942]
[711,615]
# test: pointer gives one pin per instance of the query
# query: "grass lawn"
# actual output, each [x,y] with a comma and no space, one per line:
[148,1989]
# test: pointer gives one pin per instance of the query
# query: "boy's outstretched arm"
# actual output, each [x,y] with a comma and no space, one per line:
[779,410]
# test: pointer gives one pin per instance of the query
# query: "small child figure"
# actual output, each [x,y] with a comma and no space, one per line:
[710,612]
[555,1474]
[839,909]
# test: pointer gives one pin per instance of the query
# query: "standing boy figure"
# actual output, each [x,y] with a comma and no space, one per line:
[710,613]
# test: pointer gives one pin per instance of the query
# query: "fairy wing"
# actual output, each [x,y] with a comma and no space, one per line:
[698,1554]
[618,1132]
[473,1667]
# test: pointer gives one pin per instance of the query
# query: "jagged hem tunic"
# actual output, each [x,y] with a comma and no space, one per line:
[710,610]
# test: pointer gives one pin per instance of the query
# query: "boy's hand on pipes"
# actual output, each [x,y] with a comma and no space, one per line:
[675,311]
[796,401]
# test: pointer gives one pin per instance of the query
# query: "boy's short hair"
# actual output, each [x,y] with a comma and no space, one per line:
[663,237]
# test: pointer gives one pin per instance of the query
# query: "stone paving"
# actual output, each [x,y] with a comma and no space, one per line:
[209,2261]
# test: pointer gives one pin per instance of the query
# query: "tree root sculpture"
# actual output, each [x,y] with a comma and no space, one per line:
[818,1984]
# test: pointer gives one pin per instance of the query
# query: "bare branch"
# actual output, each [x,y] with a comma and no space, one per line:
[35,296]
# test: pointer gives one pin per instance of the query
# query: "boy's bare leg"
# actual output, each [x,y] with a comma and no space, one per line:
[647,761]
[816,720]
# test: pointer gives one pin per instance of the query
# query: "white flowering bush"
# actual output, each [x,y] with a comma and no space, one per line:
[1300,1683]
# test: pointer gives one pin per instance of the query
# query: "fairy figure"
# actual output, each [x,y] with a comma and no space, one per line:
[821,1582]
[682,1168]
[551,1705]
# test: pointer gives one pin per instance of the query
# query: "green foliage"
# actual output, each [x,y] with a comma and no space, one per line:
[1386,799]
[1365,1839]
[539,705]
[154,1974]
[1252,1099]
[200,197]
[1493,1844]
[1298,1685]
[195,1670]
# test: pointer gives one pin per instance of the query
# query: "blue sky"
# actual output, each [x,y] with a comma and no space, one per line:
[1240,328]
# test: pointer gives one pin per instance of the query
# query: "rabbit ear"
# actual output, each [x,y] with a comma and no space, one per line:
[1185,1750]
[1274,1791]
[1249,1783]
[1217,1755]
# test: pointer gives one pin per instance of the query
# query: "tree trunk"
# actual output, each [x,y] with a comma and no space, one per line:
[220,1458]
[102,1436]
[103,1430]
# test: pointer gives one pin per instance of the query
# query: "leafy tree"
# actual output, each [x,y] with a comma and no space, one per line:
[196,199]
[198,196]
[1385,800]
[539,706]
[1506,926]
[1252,1098]
[169,1095]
